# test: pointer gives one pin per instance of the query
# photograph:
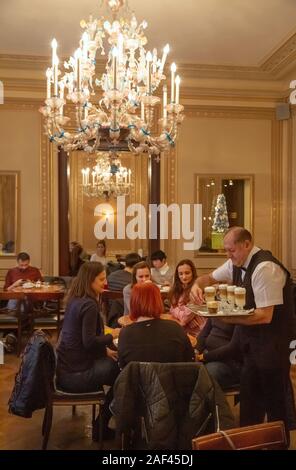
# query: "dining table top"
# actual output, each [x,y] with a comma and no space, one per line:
[44,291]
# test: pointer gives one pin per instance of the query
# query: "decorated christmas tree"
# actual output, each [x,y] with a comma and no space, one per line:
[220,222]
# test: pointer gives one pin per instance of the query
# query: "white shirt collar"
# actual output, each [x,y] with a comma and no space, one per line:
[254,250]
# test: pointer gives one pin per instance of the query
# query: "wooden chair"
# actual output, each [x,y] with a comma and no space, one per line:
[265,436]
[13,319]
[112,306]
[46,317]
[57,397]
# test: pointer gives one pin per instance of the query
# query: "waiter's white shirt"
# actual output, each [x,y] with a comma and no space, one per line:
[268,280]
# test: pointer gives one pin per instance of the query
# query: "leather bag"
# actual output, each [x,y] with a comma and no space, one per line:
[265,436]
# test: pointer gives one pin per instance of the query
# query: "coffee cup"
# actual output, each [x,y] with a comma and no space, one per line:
[240,297]
[230,294]
[212,306]
[223,291]
[210,293]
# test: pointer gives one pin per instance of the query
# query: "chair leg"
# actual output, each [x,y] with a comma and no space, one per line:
[101,425]
[73,410]
[47,425]
[93,413]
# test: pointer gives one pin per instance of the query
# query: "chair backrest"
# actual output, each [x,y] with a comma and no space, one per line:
[265,436]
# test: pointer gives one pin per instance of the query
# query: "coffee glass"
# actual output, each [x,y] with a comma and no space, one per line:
[240,297]
[212,306]
[210,293]
[230,296]
[223,292]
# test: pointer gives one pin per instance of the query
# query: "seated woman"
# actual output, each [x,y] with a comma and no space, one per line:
[218,349]
[85,363]
[151,339]
[100,254]
[184,277]
[140,274]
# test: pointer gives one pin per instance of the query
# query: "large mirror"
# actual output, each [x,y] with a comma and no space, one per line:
[86,208]
[223,197]
[9,190]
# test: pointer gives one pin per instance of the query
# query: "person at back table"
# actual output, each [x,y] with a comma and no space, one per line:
[179,295]
[151,339]
[100,254]
[117,281]
[140,274]
[22,272]
[161,272]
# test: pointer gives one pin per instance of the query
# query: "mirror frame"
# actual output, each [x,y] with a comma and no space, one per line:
[221,176]
[16,175]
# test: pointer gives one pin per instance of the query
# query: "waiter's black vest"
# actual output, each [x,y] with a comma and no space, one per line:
[272,339]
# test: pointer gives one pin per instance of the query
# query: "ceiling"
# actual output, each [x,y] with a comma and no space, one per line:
[209,32]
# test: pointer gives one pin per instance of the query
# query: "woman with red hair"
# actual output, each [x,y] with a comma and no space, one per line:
[149,338]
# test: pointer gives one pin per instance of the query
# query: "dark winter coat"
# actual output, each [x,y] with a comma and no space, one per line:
[177,400]
[36,370]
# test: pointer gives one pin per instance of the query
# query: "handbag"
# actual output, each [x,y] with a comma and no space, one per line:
[265,436]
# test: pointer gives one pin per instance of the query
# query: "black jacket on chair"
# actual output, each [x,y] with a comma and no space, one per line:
[30,392]
[177,400]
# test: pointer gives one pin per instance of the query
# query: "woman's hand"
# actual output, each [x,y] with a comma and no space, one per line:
[112,354]
[200,357]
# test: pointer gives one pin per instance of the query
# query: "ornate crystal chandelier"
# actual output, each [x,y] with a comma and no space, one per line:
[122,115]
[108,178]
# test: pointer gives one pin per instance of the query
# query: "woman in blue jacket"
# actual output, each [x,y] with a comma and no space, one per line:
[85,361]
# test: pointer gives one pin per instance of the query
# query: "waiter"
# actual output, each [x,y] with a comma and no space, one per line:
[263,337]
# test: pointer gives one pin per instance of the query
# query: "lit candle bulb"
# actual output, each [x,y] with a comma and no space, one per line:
[54,46]
[173,71]
[165,102]
[93,178]
[87,176]
[85,40]
[154,61]
[177,88]
[77,56]
[48,77]
[115,55]
[148,59]
[166,50]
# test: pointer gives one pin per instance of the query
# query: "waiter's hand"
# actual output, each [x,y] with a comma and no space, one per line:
[196,294]
[112,354]
[200,357]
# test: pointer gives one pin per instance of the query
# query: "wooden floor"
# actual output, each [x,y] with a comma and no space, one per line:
[67,432]
[25,433]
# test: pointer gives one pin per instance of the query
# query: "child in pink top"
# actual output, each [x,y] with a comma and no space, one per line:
[185,275]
